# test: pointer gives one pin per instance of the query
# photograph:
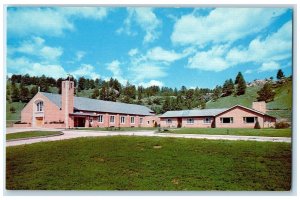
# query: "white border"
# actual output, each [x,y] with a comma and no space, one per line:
[165,3]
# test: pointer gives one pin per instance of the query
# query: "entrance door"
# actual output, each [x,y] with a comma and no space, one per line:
[39,121]
[79,122]
[179,122]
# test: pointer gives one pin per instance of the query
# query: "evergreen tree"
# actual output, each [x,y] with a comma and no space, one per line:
[103,92]
[15,94]
[266,93]
[96,93]
[228,87]
[217,92]
[24,93]
[33,91]
[280,74]
[81,84]
[241,84]
[166,105]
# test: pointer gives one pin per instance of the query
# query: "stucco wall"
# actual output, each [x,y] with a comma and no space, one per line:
[238,114]
[198,122]
[173,124]
[50,111]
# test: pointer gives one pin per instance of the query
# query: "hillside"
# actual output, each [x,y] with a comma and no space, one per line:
[281,107]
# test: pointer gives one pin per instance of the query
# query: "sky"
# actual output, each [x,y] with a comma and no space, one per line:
[150,46]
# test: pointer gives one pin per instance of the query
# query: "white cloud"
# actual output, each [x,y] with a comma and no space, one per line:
[144,71]
[84,12]
[272,49]
[248,71]
[24,21]
[36,47]
[275,47]
[222,25]
[146,19]
[115,68]
[80,55]
[85,70]
[24,66]
[269,66]
[212,60]
[160,54]
[151,83]
[133,52]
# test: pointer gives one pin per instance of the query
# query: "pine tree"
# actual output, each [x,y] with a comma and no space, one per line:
[216,93]
[266,93]
[241,84]
[33,91]
[96,93]
[24,93]
[103,93]
[228,87]
[15,94]
[166,105]
[280,74]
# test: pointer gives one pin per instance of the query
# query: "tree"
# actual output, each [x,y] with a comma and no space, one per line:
[81,84]
[24,93]
[241,84]
[33,91]
[266,93]
[96,93]
[103,93]
[216,93]
[228,87]
[12,109]
[166,105]
[280,74]
[15,94]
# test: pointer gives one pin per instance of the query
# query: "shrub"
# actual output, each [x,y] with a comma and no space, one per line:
[256,126]
[12,109]
[282,125]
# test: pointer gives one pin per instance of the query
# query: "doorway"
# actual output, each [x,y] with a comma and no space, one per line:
[39,121]
[179,124]
[79,121]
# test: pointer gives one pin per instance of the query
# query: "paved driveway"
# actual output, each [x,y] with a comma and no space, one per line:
[69,134]
[16,130]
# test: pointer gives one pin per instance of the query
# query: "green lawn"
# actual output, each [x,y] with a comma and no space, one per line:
[235,131]
[143,163]
[121,129]
[29,134]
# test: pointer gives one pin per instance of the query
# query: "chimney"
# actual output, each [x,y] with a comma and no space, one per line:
[67,100]
[259,106]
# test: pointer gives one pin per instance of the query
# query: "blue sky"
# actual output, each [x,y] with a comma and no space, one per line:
[150,46]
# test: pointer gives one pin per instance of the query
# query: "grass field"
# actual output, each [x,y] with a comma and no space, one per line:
[121,129]
[29,134]
[142,163]
[235,131]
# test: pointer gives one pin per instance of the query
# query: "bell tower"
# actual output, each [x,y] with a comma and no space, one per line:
[67,100]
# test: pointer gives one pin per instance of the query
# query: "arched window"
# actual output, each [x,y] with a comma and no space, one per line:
[40,106]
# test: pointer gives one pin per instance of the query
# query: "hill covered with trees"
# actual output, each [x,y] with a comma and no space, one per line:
[278,94]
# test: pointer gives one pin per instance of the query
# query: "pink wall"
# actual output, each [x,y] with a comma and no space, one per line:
[198,122]
[238,113]
[165,124]
[50,111]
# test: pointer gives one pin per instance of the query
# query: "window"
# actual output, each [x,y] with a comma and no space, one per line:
[148,122]
[190,121]
[100,118]
[169,121]
[112,119]
[207,120]
[250,120]
[39,106]
[226,120]
[141,120]
[91,119]
[132,120]
[122,119]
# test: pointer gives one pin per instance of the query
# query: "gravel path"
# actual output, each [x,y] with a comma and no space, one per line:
[70,134]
